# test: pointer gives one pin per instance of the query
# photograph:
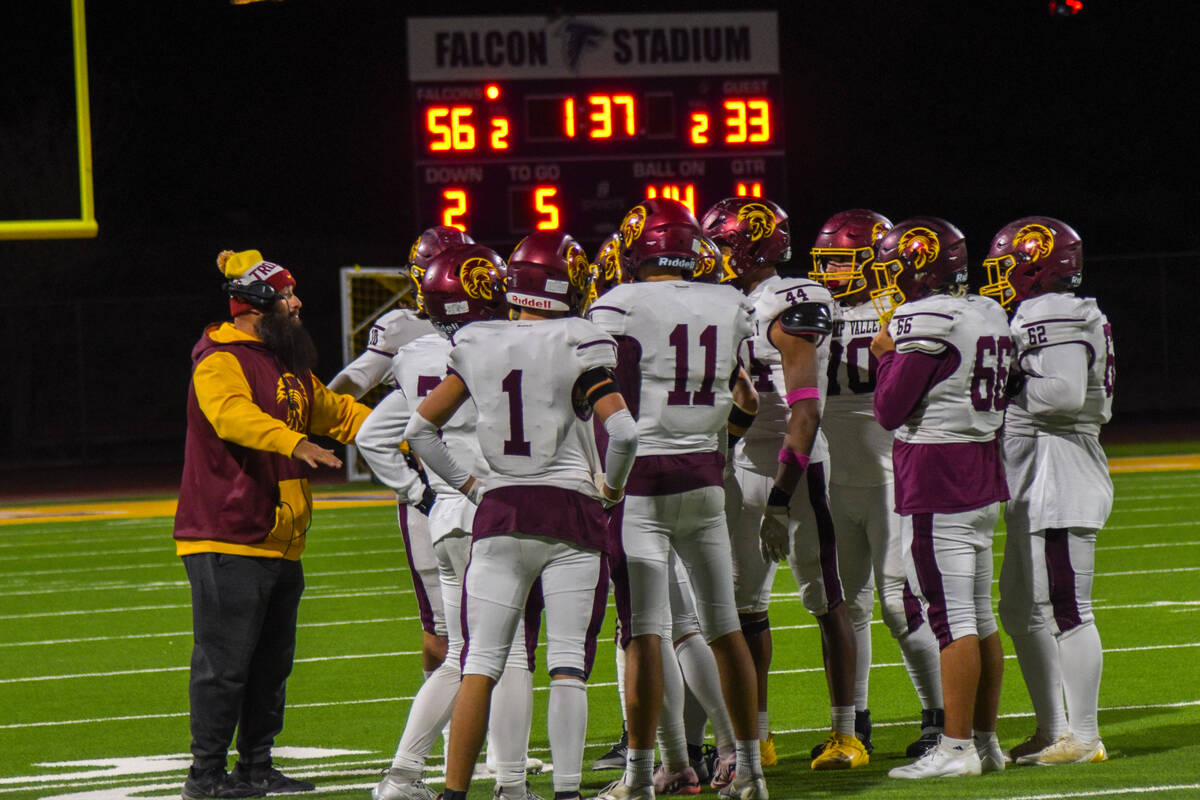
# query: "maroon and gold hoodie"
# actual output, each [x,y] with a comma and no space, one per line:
[242,493]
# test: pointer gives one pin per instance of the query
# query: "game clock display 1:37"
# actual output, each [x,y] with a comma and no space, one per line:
[524,123]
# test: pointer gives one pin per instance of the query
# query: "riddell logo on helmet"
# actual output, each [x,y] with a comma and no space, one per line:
[676,263]
[535,302]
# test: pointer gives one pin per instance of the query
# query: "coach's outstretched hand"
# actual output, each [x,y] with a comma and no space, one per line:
[315,455]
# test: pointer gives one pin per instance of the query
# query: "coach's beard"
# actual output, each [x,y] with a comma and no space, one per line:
[287,338]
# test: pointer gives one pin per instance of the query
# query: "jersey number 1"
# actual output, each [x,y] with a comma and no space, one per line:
[516,446]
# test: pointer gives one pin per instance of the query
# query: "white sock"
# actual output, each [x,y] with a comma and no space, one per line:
[764,725]
[922,659]
[956,745]
[508,723]
[566,724]
[862,664]
[843,719]
[749,761]
[671,741]
[430,711]
[1037,654]
[699,667]
[984,739]
[621,679]
[639,768]
[1082,662]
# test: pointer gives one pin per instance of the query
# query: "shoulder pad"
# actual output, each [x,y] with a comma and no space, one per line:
[807,319]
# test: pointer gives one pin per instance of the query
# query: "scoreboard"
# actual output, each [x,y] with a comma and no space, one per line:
[528,123]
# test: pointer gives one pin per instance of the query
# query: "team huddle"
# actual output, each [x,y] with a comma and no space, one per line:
[678,415]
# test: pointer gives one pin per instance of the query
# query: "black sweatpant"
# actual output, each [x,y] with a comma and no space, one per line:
[244,630]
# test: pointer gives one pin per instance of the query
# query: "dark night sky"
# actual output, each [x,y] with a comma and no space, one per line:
[283,126]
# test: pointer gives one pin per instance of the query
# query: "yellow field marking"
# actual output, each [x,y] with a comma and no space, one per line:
[138,509]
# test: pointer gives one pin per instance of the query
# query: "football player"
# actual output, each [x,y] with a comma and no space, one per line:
[392,330]
[541,513]
[1058,477]
[679,341]
[416,368]
[860,476]
[943,362]
[778,496]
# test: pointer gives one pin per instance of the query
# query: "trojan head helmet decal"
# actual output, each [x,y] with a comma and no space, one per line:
[878,230]
[631,226]
[919,247]
[757,220]
[1035,241]
[579,269]
[475,273]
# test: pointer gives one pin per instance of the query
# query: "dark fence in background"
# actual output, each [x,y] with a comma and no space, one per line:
[104,382]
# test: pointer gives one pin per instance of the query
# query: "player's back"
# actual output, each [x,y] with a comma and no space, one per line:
[860,448]
[1056,319]
[521,376]
[418,367]
[966,403]
[685,337]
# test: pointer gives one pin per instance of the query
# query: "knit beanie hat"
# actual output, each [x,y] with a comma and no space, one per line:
[245,268]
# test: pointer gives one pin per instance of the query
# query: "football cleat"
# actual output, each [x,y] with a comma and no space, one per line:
[396,786]
[701,758]
[1033,744]
[499,794]
[265,778]
[619,790]
[748,789]
[1067,749]
[724,771]
[683,782]
[616,756]
[840,751]
[941,762]
[766,751]
[932,720]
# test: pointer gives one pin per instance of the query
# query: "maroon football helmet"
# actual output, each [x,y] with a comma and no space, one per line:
[659,232]
[916,258]
[464,284]
[548,271]
[431,242]
[752,232]
[607,271]
[845,247]
[1032,256]
[708,265]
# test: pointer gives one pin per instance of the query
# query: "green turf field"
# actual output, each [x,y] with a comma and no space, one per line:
[95,642]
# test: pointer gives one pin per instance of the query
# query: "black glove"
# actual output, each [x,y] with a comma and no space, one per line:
[427,501]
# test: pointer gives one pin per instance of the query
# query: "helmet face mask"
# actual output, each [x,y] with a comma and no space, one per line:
[915,259]
[1032,256]
[843,251]
[464,284]
[751,232]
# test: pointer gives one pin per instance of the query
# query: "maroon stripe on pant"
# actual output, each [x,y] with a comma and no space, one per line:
[618,571]
[929,577]
[912,609]
[423,606]
[1062,579]
[826,539]
[462,616]
[535,604]
[599,606]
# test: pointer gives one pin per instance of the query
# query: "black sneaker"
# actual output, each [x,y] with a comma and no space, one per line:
[932,722]
[616,756]
[862,729]
[202,784]
[268,780]
[701,758]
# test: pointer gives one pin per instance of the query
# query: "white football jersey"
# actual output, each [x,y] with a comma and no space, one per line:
[688,335]
[860,449]
[1061,318]
[967,405]
[417,368]
[759,449]
[521,376]
[389,333]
